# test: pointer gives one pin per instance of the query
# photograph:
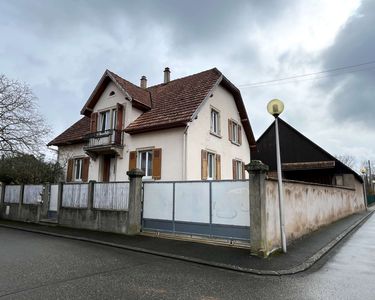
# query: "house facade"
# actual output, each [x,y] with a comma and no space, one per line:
[190,128]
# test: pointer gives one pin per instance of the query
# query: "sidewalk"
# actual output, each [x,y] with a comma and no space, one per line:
[301,254]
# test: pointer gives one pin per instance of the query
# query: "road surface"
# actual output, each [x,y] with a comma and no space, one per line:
[35,266]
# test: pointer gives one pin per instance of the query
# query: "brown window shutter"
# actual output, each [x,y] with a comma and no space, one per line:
[243,171]
[94,122]
[69,171]
[230,134]
[120,116]
[85,169]
[132,160]
[119,124]
[204,171]
[234,169]
[156,164]
[218,167]
[239,134]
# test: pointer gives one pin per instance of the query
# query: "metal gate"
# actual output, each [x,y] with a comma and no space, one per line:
[215,209]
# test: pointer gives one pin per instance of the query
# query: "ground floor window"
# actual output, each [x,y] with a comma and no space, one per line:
[78,168]
[238,169]
[145,162]
[211,166]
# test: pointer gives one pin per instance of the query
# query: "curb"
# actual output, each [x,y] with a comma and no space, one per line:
[294,270]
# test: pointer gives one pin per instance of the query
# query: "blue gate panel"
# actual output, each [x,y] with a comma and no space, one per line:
[158,225]
[192,228]
[231,231]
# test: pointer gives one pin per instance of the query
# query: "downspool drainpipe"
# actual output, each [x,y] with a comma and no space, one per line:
[184,154]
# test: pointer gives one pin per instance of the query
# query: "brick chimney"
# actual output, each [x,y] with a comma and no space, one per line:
[167,75]
[143,82]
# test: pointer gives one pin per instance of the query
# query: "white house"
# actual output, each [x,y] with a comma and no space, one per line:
[190,128]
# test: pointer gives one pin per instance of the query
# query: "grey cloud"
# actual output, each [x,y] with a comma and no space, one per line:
[354,96]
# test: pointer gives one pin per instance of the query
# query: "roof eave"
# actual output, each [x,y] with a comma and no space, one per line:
[156,127]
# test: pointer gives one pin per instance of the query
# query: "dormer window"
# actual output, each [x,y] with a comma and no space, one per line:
[112,93]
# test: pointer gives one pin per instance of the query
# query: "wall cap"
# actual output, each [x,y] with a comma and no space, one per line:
[256,165]
[135,173]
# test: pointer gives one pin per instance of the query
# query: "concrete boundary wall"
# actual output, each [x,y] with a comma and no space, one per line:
[126,221]
[307,207]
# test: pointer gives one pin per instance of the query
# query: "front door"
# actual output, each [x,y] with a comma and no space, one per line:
[106,168]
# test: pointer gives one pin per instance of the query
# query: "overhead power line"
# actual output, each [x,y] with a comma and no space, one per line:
[302,77]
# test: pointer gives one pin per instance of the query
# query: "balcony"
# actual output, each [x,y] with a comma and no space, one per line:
[104,142]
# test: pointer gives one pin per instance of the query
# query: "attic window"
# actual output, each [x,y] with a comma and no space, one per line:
[112,93]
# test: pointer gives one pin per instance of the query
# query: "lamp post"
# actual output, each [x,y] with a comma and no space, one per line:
[275,107]
[364,173]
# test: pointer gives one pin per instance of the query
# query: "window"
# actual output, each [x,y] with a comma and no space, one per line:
[211,166]
[234,133]
[112,93]
[108,120]
[215,122]
[145,162]
[78,168]
[104,121]
[238,169]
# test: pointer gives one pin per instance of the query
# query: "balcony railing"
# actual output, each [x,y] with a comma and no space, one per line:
[110,137]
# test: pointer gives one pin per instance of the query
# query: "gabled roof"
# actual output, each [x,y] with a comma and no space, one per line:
[176,103]
[167,105]
[139,97]
[291,151]
[74,134]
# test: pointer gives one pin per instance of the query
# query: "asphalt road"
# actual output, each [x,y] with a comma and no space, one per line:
[34,266]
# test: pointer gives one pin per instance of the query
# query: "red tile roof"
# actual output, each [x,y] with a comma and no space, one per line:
[137,93]
[174,103]
[74,134]
[166,105]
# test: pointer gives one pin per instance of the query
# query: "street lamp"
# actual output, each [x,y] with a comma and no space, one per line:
[364,174]
[275,107]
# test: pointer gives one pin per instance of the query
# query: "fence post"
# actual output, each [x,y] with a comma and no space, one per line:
[90,200]
[59,200]
[20,202]
[258,214]
[45,201]
[133,224]
[2,193]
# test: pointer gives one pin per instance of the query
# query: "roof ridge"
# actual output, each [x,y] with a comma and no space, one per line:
[113,73]
[180,78]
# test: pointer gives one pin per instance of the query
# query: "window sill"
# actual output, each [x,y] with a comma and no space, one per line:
[215,134]
[235,143]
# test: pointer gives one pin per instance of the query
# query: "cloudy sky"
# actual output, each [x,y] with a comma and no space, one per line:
[61,49]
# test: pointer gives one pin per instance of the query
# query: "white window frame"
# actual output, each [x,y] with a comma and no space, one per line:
[239,170]
[235,132]
[78,169]
[148,161]
[211,166]
[110,119]
[215,121]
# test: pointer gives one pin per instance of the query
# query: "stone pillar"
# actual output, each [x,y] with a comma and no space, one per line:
[133,224]
[90,200]
[258,214]
[45,201]
[2,193]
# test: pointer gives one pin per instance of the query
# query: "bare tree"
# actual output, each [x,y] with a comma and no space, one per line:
[348,160]
[22,128]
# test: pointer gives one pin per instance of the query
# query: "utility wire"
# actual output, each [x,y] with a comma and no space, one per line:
[308,79]
[263,83]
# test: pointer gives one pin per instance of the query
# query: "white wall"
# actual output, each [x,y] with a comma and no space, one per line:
[199,136]
[171,143]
